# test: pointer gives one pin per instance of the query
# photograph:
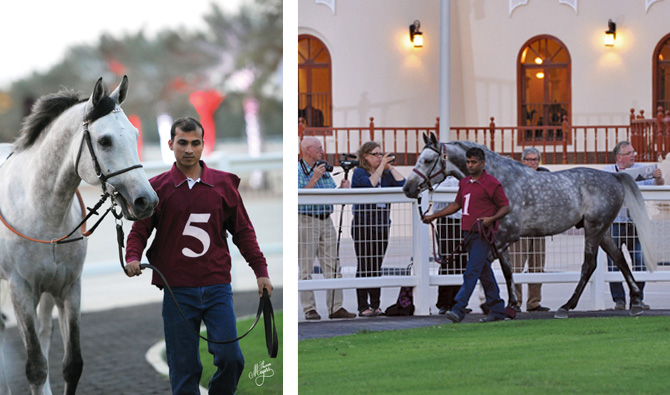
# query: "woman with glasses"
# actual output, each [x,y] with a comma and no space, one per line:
[371,222]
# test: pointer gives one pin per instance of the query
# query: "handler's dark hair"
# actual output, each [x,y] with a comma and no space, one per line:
[475,152]
[187,124]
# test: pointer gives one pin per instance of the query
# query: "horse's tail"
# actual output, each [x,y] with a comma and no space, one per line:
[637,209]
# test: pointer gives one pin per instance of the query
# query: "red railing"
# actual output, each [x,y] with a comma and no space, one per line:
[650,137]
[564,144]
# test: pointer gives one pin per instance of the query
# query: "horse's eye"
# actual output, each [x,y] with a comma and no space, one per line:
[105,142]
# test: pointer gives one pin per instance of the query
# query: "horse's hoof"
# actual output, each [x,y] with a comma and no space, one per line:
[636,309]
[561,313]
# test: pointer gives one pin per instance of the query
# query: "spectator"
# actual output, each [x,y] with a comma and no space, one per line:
[530,249]
[198,208]
[371,222]
[317,237]
[623,230]
[448,236]
[482,198]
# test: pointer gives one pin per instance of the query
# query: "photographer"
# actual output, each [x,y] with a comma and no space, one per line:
[316,234]
[371,222]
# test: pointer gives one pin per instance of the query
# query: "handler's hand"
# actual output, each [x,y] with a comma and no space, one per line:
[428,218]
[264,282]
[133,269]
[487,221]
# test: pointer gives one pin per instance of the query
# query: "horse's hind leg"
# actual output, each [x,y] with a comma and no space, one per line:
[588,267]
[610,247]
[69,321]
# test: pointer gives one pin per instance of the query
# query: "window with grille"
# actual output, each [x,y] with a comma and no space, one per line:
[543,90]
[314,82]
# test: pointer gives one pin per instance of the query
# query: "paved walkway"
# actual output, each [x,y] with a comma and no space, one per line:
[331,328]
[114,344]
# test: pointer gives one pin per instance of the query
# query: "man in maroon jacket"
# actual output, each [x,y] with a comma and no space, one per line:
[482,199]
[198,207]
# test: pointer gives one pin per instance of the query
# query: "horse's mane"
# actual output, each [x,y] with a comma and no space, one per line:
[44,111]
[492,158]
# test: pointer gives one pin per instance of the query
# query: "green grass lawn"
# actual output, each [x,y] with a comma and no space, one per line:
[255,355]
[627,355]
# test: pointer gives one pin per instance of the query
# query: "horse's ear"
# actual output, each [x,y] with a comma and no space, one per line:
[425,139]
[98,93]
[433,138]
[120,93]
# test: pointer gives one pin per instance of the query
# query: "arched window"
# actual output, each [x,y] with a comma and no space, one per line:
[314,82]
[661,77]
[544,94]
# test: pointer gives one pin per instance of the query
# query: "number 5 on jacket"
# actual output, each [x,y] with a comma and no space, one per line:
[198,233]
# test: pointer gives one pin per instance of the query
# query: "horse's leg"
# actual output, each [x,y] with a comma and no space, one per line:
[69,321]
[25,304]
[4,386]
[591,243]
[44,311]
[610,247]
[509,280]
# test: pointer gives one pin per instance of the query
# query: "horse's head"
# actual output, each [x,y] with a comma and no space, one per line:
[432,167]
[107,154]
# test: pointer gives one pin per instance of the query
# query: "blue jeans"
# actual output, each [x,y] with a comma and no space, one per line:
[625,233]
[479,267]
[213,305]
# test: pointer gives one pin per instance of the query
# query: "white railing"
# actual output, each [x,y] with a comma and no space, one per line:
[411,242]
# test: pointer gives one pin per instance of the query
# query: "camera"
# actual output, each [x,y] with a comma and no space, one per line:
[393,158]
[348,162]
[329,168]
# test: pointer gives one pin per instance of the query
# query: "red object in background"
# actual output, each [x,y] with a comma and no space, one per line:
[206,103]
[135,121]
[116,67]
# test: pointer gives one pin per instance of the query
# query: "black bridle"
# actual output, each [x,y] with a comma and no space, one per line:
[96,164]
[432,172]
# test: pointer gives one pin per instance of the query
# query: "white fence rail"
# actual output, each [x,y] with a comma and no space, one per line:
[409,258]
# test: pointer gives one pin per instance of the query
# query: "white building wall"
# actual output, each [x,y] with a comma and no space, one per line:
[377,73]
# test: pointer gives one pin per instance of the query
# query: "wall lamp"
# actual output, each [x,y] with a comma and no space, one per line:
[610,34]
[415,35]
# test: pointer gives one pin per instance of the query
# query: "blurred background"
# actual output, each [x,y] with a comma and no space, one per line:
[217,60]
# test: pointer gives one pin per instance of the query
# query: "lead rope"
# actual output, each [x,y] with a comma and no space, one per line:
[264,306]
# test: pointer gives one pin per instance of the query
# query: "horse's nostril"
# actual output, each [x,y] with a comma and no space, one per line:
[141,204]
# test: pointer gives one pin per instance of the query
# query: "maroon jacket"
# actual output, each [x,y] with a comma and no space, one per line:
[480,198]
[192,226]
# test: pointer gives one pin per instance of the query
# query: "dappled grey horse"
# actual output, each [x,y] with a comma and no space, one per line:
[548,203]
[63,141]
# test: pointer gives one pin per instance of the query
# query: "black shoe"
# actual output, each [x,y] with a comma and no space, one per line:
[517,308]
[468,311]
[312,315]
[539,308]
[442,310]
[342,313]
[492,318]
[485,309]
[453,316]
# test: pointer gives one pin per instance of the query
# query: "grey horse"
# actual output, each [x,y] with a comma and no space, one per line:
[50,158]
[548,203]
